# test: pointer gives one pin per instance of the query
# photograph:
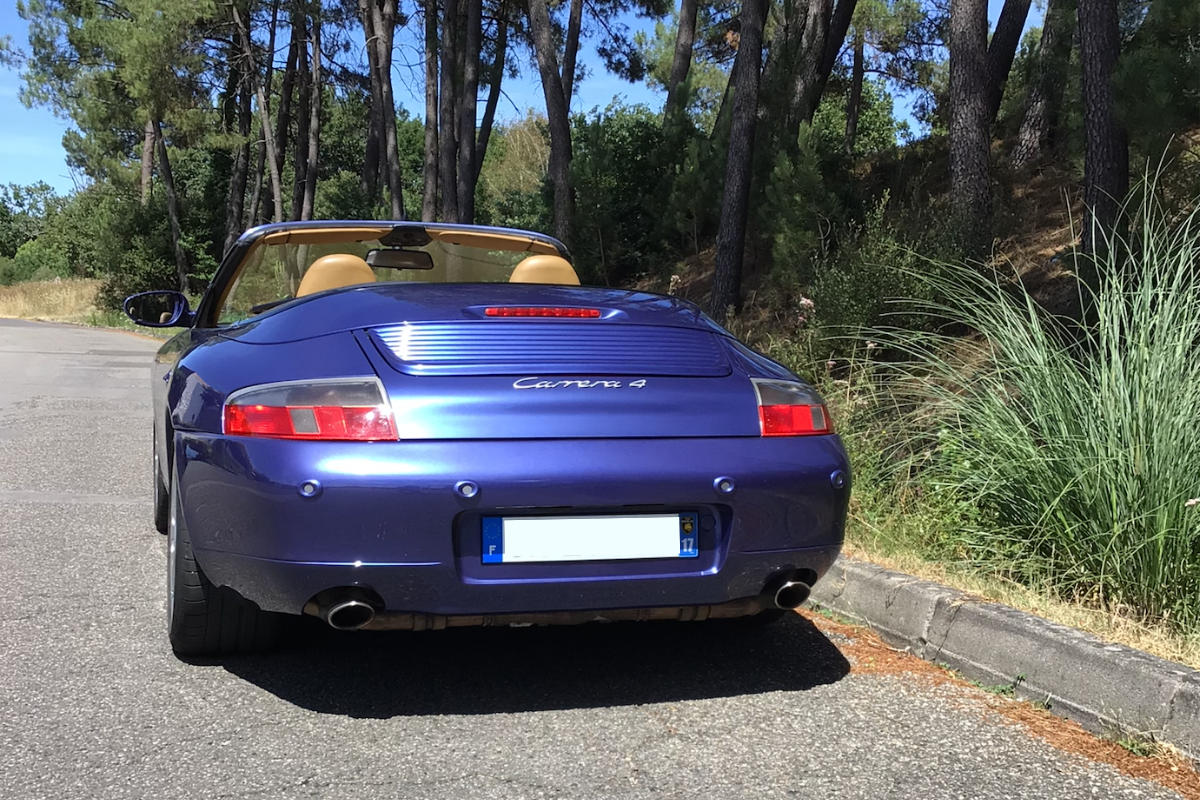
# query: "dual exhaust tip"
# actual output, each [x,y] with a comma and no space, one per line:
[348,608]
[790,592]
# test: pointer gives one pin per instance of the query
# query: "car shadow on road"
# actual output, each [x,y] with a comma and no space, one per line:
[503,670]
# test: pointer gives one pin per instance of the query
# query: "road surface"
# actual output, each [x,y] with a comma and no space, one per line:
[94,705]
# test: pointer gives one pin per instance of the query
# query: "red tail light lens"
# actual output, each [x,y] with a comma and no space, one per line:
[787,408]
[535,311]
[345,410]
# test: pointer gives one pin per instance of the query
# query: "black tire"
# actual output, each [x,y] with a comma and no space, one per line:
[162,499]
[203,619]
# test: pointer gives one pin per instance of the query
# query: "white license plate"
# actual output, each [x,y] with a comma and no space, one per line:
[508,540]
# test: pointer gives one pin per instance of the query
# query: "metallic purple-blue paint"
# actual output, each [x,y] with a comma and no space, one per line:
[539,414]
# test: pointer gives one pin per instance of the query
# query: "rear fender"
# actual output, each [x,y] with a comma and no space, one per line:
[220,366]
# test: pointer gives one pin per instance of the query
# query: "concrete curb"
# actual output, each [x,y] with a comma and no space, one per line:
[1102,686]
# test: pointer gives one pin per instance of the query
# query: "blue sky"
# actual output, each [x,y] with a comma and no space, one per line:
[31,139]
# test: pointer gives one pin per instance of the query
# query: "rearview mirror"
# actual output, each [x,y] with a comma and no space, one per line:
[400,259]
[160,309]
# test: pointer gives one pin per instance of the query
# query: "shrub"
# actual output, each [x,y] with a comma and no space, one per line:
[35,260]
[620,172]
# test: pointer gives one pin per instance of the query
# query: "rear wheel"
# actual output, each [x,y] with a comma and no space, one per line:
[162,503]
[203,619]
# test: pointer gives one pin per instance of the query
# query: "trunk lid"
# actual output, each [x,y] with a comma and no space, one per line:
[645,367]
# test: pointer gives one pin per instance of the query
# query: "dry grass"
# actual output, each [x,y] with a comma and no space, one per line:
[72,300]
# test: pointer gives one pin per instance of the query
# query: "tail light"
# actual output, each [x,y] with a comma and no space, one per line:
[348,410]
[788,408]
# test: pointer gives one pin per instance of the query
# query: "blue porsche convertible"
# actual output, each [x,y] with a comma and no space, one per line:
[406,426]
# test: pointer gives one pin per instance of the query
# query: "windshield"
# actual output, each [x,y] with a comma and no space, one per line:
[273,274]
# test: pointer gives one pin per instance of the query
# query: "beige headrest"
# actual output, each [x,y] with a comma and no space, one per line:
[545,269]
[333,272]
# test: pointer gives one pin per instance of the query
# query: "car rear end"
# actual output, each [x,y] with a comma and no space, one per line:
[522,459]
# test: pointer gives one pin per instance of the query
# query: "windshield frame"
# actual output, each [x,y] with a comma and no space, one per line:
[399,233]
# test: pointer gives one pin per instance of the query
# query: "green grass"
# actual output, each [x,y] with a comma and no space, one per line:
[1055,454]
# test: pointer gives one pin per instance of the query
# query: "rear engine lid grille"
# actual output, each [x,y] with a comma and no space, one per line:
[550,348]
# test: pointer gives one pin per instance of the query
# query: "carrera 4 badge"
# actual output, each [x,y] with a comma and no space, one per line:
[542,383]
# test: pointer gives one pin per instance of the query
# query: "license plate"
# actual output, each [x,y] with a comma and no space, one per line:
[508,540]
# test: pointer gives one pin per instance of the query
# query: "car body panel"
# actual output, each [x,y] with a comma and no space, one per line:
[539,414]
[389,511]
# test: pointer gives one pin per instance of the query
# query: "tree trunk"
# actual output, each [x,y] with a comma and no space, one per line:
[384,18]
[264,113]
[735,203]
[1044,99]
[447,102]
[495,78]
[314,121]
[304,97]
[369,181]
[681,62]
[284,114]
[234,209]
[429,198]
[147,161]
[1106,151]
[264,129]
[571,49]
[854,103]
[1003,49]
[824,31]
[559,118]
[807,67]
[838,28]
[472,43]
[173,213]
[970,125]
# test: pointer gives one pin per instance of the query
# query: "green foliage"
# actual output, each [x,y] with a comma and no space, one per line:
[878,127]
[31,209]
[512,189]
[1157,75]
[36,261]
[10,233]
[694,198]
[340,196]
[410,142]
[859,285]
[799,210]
[1077,446]
[620,172]
[706,78]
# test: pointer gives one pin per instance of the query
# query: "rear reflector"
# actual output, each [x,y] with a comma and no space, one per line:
[352,410]
[789,408]
[536,311]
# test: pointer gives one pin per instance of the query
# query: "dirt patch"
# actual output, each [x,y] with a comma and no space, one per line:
[869,655]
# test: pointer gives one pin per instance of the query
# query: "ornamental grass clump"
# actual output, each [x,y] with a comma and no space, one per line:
[1072,448]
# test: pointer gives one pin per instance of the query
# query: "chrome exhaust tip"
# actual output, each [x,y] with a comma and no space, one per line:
[791,594]
[349,615]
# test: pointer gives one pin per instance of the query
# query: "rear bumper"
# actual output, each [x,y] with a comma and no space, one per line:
[387,518]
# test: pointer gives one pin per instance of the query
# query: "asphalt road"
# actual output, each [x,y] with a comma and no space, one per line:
[94,705]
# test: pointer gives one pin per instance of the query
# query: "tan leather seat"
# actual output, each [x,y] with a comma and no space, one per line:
[333,272]
[545,269]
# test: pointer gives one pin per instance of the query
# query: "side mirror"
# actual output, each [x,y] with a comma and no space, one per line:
[161,309]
